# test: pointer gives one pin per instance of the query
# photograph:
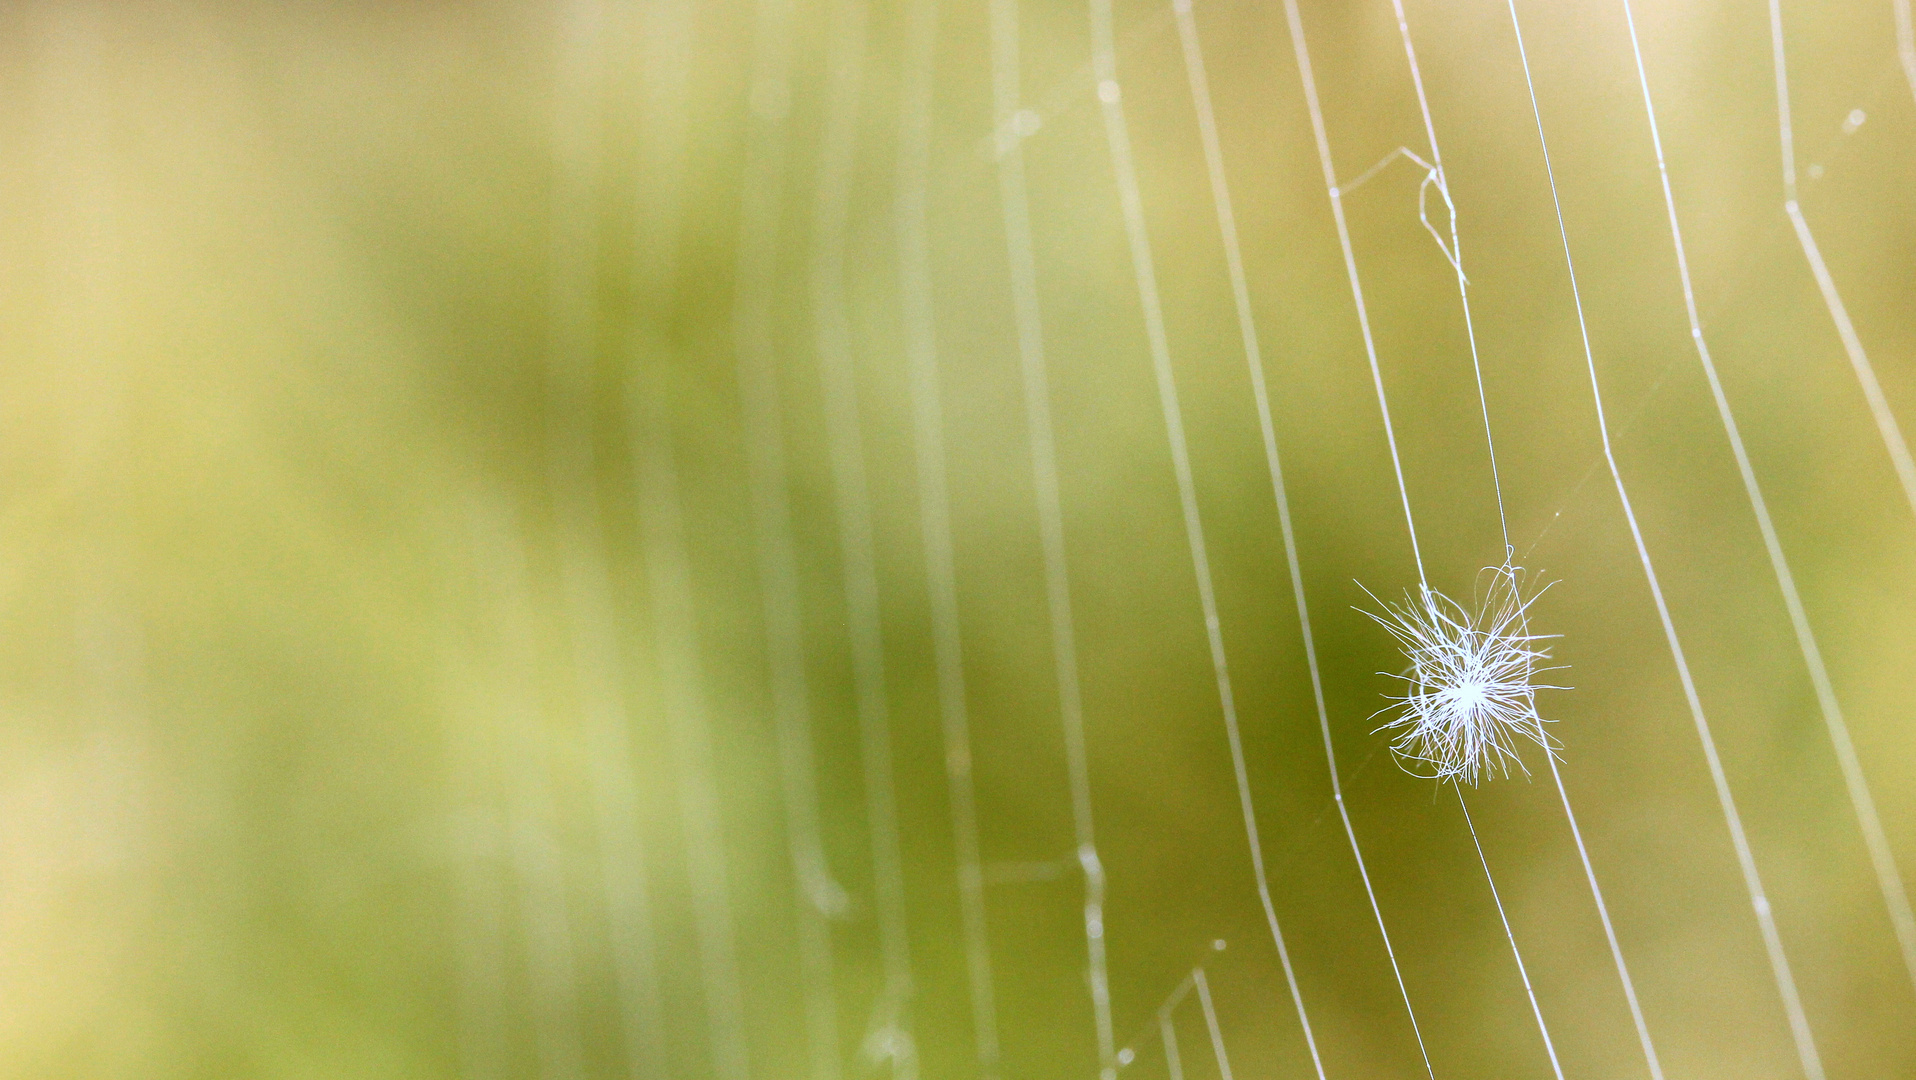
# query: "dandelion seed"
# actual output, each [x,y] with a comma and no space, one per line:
[1470,696]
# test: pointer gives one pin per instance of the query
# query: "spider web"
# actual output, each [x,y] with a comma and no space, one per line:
[864,924]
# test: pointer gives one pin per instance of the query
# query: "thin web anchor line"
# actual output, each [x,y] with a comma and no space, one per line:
[1455,254]
[1556,775]
[1302,51]
[1014,206]
[1227,227]
[820,896]
[1886,425]
[934,510]
[1636,412]
[934,504]
[1882,858]
[1746,859]
[1168,1032]
[1211,1024]
[1104,62]
[1535,1008]
[1608,458]
[889,1034]
[1644,399]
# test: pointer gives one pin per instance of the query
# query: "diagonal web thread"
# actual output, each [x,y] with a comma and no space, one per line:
[1015,208]
[1886,425]
[1888,878]
[1536,1009]
[1227,225]
[1746,859]
[1168,1031]
[934,509]
[1210,1023]
[890,1032]
[1453,253]
[1583,853]
[1301,49]
[1104,65]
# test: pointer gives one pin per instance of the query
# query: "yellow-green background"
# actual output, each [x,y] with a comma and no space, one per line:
[277,401]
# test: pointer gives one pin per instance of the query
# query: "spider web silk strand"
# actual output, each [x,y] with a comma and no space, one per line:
[1104,65]
[1015,209]
[1210,1023]
[1535,1009]
[1456,259]
[890,1024]
[1227,227]
[1301,49]
[1746,859]
[1556,775]
[1886,425]
[1173,1060]
[1168,1029]
[1298,46]
[761,199]
[934,502]
[934,508]
[1888,878]
[1463,292]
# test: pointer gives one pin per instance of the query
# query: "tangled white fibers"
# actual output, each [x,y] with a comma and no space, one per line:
[1470,694]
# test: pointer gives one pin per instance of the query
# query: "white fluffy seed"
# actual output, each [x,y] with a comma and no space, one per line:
[1470,695]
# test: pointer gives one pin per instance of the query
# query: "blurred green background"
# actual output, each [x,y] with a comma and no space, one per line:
[362,718]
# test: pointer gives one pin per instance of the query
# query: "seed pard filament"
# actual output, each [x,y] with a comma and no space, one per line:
[1470,696]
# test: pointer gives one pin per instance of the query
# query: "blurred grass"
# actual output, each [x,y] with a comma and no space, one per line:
[291,680]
